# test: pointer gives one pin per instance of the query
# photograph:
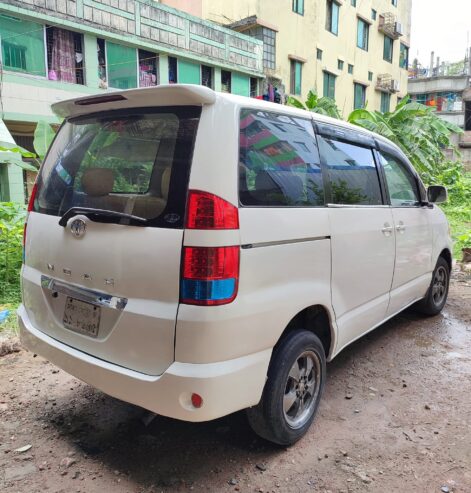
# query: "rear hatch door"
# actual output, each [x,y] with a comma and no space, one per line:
[103,240]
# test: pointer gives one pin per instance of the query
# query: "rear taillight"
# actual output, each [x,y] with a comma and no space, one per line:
[32,198]
[208,211]
[210,275]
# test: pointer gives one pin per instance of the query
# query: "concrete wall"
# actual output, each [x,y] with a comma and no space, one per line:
[300,36]
[438,84]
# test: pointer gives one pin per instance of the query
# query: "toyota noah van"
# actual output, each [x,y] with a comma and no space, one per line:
[197,253]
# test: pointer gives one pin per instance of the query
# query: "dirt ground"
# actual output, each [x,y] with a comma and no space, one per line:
[396,416]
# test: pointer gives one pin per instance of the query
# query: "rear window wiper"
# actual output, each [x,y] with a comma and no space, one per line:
[92,213]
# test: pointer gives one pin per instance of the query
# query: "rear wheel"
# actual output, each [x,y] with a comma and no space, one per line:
[293,389]
[437,293]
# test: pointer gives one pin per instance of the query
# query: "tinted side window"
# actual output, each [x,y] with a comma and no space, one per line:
[352,173]
[402,185]
[278,161]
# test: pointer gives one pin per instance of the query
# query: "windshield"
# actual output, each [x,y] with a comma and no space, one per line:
[136,163]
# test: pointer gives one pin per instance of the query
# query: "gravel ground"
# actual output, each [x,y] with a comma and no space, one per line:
[396,416]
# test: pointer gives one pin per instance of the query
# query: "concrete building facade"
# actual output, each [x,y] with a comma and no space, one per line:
[58,49]
[450,95]
[353,50]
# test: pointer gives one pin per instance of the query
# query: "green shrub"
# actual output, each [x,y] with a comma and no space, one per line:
[12,218]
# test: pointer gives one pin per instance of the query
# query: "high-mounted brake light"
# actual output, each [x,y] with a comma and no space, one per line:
[210,275]
[208,211]
[32,198]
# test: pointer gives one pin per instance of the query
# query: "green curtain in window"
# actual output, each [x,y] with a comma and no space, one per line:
[359,96]
[240,84]
[329,85]
[335,18]
[188,72]
[362,35]
[121,62]
[388,49]
[22,45]
[298,67]
[385,102]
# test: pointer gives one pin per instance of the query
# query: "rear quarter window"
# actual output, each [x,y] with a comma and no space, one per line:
[278,161]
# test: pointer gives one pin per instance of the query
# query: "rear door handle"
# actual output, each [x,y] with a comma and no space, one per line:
[400,227]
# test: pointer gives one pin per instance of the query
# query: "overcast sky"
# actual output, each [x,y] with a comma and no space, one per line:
[442,26]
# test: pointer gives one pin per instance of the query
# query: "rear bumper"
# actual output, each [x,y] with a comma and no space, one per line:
[225,387]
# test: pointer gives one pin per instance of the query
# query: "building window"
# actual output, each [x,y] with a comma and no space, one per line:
[350,69]
[332,17]
[298,7]
[268,36]
[22,46]
[340,64]
[353,3]
[296,76]
[226,81]
[373,14]
[148,68]
[172,70]
[404,57]
[394,2]
[253,87]
[319,54]
[385,102]
[207,76]
[388,49]
[64,55]
[329,85]
[121,64]
[101,54]
[359,96]
[370,76]
[363,34]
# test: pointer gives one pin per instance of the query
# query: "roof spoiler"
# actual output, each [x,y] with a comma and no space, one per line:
[164,95]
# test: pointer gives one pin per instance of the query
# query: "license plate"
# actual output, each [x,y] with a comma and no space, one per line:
[82,317]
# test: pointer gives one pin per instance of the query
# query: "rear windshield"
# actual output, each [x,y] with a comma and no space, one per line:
[133,162]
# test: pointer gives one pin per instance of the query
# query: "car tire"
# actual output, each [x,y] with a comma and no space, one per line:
[437,293]
[294,386]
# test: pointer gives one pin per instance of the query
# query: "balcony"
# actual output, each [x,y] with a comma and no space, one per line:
[385,83]
[388,25]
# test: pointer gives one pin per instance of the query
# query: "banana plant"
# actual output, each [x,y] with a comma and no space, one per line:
[324,106]
[416,129]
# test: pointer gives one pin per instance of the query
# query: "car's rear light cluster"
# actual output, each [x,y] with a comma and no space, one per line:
[207,211]
[32,198]
[210,275]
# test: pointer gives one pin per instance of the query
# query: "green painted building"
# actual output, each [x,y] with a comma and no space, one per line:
[58,49]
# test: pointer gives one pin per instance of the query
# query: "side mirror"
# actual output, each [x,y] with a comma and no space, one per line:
[437,194]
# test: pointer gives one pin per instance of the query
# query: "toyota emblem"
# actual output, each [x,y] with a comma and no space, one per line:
[78,227]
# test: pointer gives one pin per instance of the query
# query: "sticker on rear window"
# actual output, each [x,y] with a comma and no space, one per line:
[63,173]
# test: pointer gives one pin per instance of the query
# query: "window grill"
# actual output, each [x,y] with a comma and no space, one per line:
[148,72]
[207,76]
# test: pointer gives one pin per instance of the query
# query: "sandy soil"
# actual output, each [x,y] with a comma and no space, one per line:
[406,427]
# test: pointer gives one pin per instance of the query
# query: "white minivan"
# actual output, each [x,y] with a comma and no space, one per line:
[198,253]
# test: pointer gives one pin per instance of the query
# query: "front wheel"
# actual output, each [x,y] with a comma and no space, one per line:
[437,293]
[293,390]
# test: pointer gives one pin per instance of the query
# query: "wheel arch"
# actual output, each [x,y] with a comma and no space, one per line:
[316,319]
[446,255]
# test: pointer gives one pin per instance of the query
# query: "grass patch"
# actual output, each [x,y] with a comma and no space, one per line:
[9,326]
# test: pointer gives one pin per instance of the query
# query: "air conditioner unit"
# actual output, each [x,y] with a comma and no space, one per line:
[394,85]
[398,29]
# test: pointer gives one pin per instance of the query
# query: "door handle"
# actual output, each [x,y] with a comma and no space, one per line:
[400,227]
[387,230]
